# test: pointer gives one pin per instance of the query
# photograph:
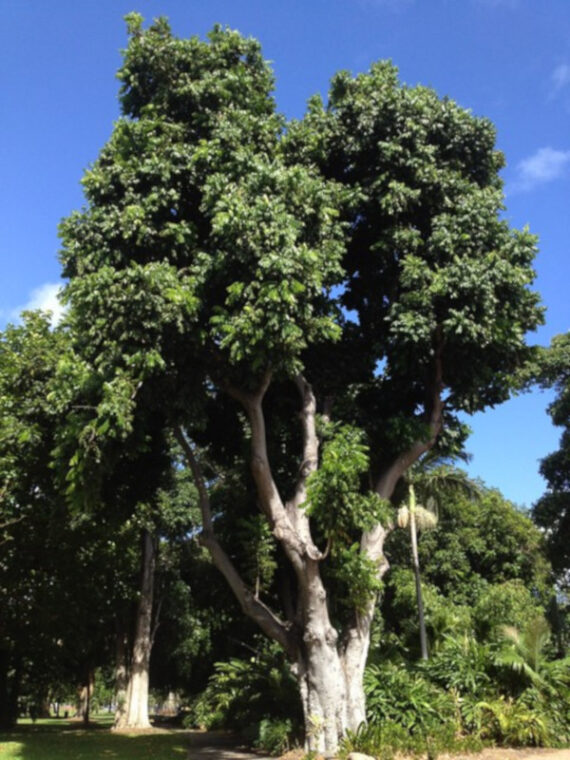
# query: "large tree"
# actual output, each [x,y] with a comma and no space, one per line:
[318,303]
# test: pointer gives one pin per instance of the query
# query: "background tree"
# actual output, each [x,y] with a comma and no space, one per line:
[552,511]
[484,566]
[210,274]
[52,626]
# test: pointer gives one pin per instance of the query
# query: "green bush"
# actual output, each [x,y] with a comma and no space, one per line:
[274,736]
[515,724]
[461,664]
[403,697]
[388,740]
[242,694]
[509,603]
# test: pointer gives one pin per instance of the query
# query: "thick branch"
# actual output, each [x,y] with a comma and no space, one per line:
[269,497]
[253,607]
[310,440]
[197,474]
[434,417]
[372,543]
[309,464]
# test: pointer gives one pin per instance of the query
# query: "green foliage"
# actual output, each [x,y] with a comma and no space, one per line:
[525,653]
[334,493]
[258,547]
[242,693]
[552,511]
[460,665]
[514,724]
[341,511]
[274,736]
[391,740]
[504,604]
[397,695]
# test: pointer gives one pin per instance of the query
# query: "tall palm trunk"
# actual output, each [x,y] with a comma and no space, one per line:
[416,566]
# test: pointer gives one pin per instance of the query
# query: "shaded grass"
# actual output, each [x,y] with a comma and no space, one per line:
[63,740]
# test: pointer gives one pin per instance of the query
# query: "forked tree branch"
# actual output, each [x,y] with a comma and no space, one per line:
[254,608]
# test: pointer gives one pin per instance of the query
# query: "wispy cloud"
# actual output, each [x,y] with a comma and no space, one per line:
[546,165]
[45,297]
[559,79]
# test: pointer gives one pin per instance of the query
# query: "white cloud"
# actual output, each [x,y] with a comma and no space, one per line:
[559,78]
[545,165]
[45,298]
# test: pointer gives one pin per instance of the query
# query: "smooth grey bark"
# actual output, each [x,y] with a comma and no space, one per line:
[135,713]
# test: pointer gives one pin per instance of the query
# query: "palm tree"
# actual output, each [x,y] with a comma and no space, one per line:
[435,480]
[525,652]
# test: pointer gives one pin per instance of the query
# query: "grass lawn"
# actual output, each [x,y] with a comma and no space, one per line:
[69,740]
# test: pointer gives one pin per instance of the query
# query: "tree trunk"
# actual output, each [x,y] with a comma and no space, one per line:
[85,694]
[44,707]
[136,705]
[7,715]
[331,687]
[121,673]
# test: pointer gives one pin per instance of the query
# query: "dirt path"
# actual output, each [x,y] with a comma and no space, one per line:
[528,753]
[212,745]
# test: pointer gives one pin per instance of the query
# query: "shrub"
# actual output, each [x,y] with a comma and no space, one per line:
[388,740]
[241,694]
[515,724]
[461,664]
[398,695]
[274,736]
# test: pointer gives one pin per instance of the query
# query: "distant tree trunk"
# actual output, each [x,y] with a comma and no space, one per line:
[44,706]
[7,719]
[85,694]
[121,671]
[135,714]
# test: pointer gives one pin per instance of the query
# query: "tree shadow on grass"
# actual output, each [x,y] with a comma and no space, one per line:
[59,740]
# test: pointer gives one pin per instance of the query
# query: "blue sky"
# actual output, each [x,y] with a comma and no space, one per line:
[508,60]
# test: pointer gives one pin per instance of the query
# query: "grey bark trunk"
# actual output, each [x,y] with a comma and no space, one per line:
[329,673]
[135,713]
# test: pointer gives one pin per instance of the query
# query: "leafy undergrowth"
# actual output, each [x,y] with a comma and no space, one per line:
[62,740]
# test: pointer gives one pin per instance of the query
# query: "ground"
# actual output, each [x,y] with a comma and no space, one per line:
[487,754]
[67,740]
